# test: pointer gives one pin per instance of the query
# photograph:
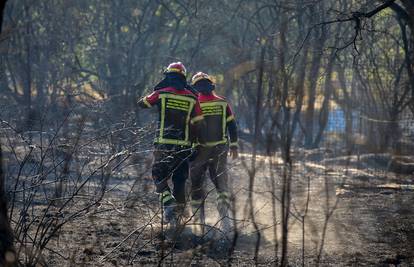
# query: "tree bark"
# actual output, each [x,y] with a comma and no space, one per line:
[324,113]
[319,41]
[7,254]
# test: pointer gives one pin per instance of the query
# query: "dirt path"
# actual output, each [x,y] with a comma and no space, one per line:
[370,222]
[366,214]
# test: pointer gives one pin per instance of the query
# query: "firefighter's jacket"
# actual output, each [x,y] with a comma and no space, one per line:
[178,111]
[219,120]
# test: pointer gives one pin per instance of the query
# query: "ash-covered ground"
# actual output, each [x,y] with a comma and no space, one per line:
[347,210]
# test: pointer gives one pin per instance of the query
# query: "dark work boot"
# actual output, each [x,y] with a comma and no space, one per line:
[223,207]
[199,216]
[180,214]
[169,205]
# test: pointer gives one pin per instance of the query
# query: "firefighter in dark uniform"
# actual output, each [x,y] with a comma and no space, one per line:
[212,155]
[180,117]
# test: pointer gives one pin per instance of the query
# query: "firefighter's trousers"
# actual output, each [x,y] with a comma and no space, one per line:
[213,159]
[171,161]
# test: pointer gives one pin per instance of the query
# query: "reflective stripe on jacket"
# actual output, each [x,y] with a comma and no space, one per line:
[218,117]
[178,109]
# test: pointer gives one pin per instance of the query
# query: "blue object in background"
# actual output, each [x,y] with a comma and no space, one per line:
[336,121]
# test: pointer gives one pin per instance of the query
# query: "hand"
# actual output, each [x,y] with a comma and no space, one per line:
[234,153]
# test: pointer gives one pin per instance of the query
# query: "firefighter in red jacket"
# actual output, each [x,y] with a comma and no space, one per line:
[179,117]
[212,155]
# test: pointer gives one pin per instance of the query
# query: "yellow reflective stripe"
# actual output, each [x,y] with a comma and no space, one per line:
[210,112]
[179,97]
[196,202]
[175,70]
[223,196]
[179,101]
[162,122]
[224,120]
[182,104]
[214,143]
[214,103]
[234,144]
[230,118]
[145,101]
[210,144]
[165,197]
[160,140]
[173,99]
[197,118]
[176,107]
[164,194]
[215,108]
[187,128]
[209,105]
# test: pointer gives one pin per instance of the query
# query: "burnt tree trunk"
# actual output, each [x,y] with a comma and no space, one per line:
[7,254]
[319,41]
